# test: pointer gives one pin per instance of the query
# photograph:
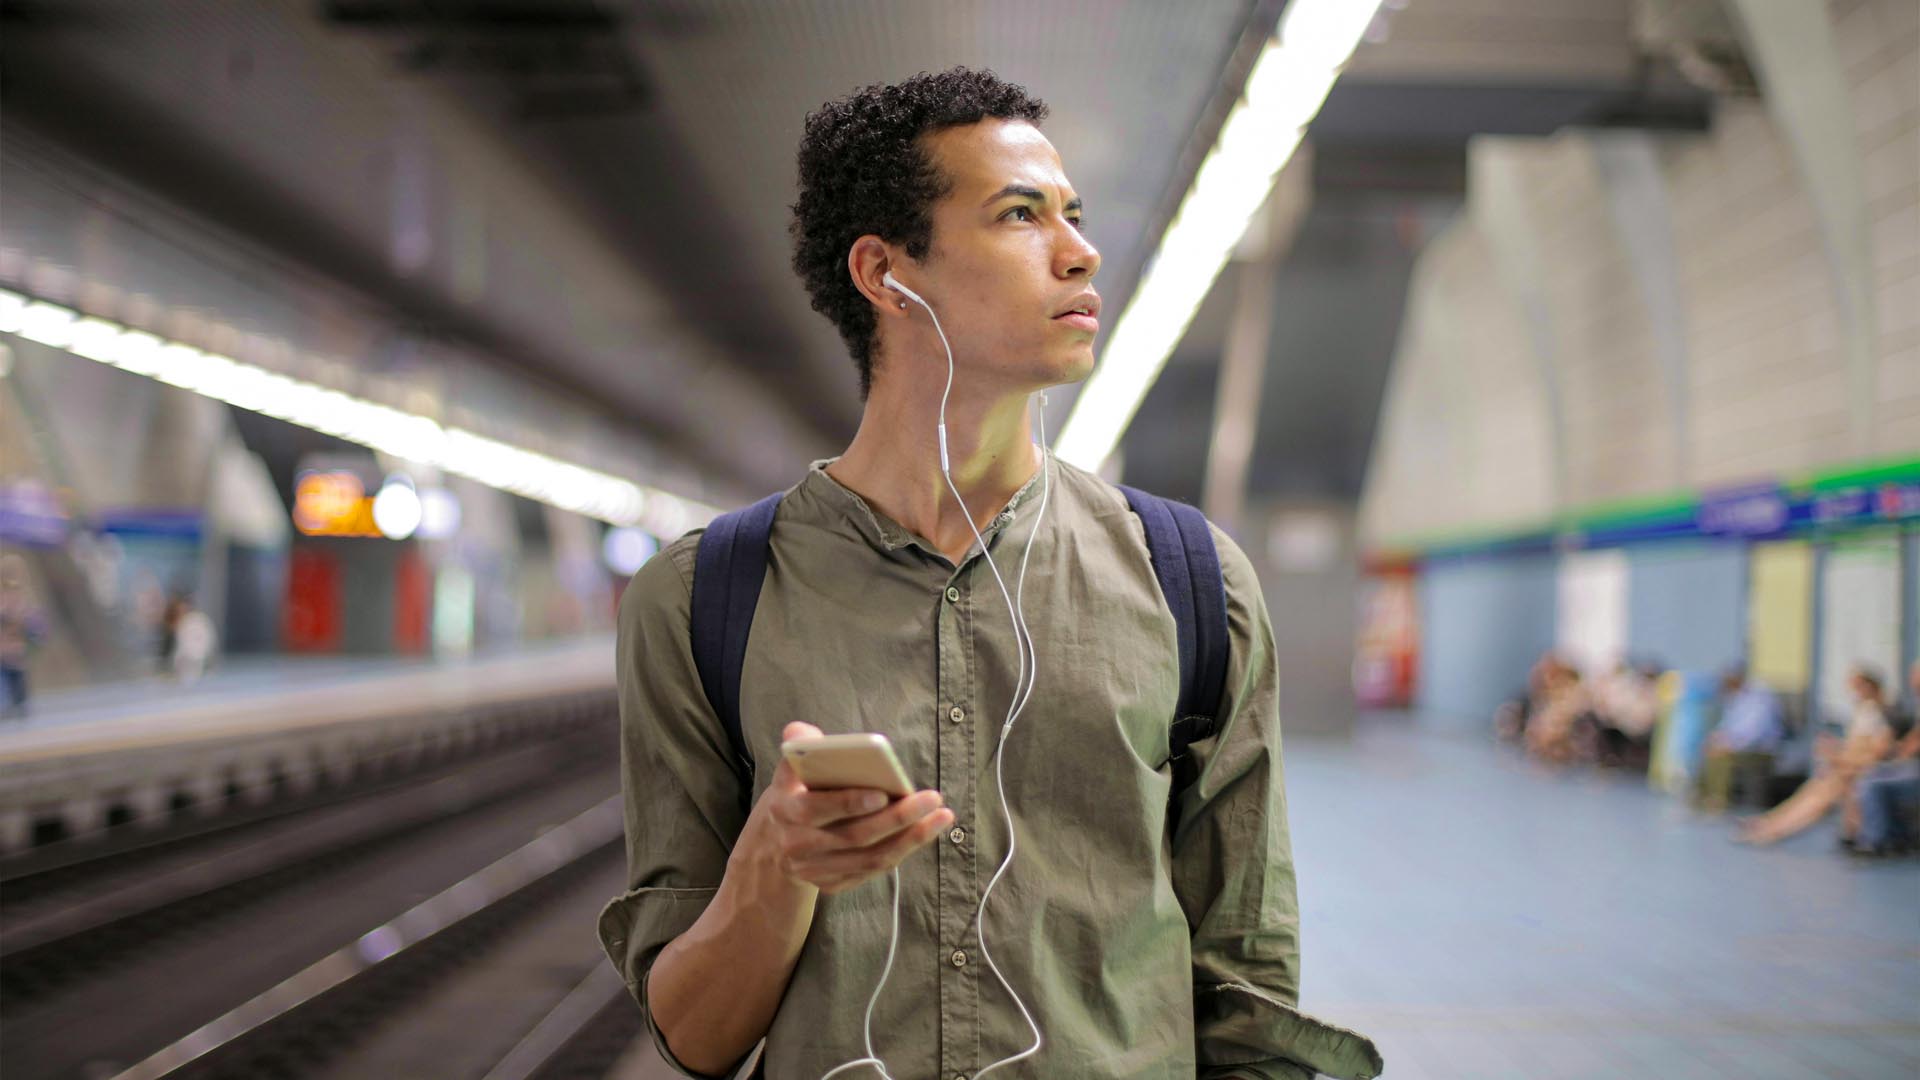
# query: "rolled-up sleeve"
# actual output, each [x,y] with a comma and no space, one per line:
[682,797]
[1233,874]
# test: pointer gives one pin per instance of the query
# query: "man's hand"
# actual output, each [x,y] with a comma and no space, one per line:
[835,840]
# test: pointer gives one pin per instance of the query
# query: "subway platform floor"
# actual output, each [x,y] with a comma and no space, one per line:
[1484,917]
[270,678]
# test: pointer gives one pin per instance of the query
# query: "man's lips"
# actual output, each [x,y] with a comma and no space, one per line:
[1083,322]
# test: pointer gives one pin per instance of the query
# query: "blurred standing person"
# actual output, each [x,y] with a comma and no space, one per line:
[1841,762]
[192,642]
[22,628]
[1680,741]
[1740,748]
[176,605]
[1882,815]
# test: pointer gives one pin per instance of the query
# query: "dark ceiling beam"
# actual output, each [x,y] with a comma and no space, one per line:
[1448,113]
[1390,167]
[497,16]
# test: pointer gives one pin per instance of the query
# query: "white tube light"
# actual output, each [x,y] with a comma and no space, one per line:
[1284,92]
[405,435]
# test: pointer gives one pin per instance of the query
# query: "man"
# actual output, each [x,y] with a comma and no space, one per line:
[1740,748]
[1149,941]
[1887,808]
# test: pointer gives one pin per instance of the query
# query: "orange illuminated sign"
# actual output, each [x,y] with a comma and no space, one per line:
[332,504]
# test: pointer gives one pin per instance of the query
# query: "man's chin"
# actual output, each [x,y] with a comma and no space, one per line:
[1074,368]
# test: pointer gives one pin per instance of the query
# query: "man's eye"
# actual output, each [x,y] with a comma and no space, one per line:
[1078,223]
[1021,210]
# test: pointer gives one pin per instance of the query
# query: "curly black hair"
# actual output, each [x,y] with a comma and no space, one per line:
[865,169]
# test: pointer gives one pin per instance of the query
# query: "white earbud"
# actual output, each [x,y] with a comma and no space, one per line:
[894,284]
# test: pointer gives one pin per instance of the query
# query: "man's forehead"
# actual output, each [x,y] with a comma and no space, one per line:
[983,158]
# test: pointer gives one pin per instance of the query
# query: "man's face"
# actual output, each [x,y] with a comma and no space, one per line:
[1008,258]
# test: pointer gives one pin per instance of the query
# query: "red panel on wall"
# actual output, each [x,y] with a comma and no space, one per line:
[412,602]
[312,620]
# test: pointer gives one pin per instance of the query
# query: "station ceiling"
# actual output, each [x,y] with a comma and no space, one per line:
[640,153]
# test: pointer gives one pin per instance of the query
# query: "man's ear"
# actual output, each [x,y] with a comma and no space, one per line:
[868,261]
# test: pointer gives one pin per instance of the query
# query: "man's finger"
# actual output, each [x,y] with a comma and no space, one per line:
[821,808]
[876,858]
[872,828]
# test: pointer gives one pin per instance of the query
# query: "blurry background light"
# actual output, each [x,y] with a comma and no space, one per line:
[405,435]
[1283,93]
[626,549]
[439,514]
[396,510]
[48,324]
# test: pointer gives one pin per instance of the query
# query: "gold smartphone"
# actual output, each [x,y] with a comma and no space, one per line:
[863,760]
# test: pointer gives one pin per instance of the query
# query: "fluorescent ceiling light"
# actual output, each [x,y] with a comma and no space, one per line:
[1284,92]
[404,435]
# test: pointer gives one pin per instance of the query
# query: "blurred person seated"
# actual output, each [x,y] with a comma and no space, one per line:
[1741,747]
[1626,706]
[1840,763]
[1883,818]
[1510,719]
[1551,730]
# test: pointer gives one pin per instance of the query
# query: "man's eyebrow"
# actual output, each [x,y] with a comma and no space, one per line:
[1023,191]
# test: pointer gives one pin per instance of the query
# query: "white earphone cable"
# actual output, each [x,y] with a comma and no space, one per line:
[1023,689]
[1022,630]
[1024,681]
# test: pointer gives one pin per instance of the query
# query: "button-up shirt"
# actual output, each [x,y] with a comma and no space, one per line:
[1750,721]
[1148,944]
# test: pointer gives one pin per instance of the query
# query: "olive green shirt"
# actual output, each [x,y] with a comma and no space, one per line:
[1144,951]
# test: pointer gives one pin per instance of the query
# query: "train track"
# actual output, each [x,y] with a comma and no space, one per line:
[161,942]
[443,989]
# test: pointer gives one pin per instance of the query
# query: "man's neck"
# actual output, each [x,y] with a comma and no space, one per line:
[894,463]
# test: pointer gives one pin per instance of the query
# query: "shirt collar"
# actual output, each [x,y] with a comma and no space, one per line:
[888,534]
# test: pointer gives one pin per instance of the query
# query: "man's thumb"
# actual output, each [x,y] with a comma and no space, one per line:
[798,730]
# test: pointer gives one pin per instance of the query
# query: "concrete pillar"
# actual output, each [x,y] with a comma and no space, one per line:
[1307,554]
[1629,168]
[1791,49]
[1499,207]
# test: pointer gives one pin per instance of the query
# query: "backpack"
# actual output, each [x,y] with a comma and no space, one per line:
[731,565]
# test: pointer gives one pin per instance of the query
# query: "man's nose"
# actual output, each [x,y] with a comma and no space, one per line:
[1077,256]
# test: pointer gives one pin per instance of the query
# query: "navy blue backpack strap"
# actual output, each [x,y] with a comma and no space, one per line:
[727,574]
[1188,566]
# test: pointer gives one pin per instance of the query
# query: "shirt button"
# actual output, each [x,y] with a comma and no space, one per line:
[959,958]
[956,714]
[958,835]
[953,595]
